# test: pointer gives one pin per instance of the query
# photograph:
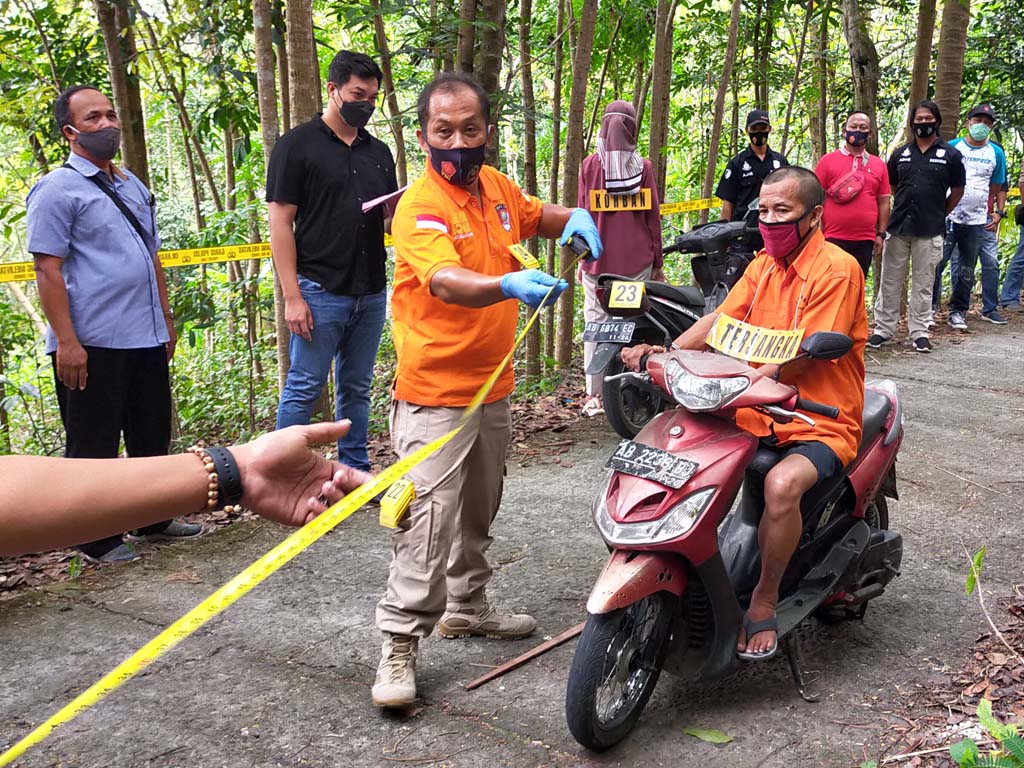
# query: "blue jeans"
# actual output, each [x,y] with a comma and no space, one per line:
[346,329]
[972,241]
[1014,279]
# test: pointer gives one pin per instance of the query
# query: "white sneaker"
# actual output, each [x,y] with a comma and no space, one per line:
[395,684]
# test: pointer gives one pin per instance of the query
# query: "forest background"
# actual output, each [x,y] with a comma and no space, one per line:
[205,87]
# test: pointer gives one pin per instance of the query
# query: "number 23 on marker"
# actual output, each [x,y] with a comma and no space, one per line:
[626,294]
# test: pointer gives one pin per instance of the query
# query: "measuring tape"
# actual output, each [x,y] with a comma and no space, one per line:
[268,564]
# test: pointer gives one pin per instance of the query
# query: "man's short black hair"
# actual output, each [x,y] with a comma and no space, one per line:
[450,82]
[348,63]
[931,106]
[62,106]
[808,187]
[859,112]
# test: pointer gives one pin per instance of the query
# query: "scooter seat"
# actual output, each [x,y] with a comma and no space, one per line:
[876,409]
[686,295]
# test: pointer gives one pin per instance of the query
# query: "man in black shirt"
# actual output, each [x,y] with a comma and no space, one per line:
[741,183]
[329,255]
[927,180]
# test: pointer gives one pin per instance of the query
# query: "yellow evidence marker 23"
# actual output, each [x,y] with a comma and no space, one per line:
[626,294]
[752,343]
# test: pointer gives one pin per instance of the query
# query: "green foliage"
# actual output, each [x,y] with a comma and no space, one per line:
[709,735]
[1011,746]
[976,565]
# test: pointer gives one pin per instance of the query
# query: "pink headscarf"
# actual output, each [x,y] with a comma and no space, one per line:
[616,146]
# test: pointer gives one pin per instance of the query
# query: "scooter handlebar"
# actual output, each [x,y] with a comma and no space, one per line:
[819,408]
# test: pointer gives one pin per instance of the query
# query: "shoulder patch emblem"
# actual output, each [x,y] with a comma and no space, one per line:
[728,172]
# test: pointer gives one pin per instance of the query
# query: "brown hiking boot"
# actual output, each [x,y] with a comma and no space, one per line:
[486,622]
[395,685]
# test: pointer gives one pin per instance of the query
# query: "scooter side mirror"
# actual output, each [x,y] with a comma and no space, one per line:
[826,345]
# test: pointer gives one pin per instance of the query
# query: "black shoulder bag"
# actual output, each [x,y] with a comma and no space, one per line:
[116,199]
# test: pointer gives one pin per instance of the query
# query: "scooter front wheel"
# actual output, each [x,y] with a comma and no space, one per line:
[628,406]
[616,666]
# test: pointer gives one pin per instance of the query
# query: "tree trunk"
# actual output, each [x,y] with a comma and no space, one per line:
[922,54]
[119,41]
[395,121]
[818,110]
[600,89]
[808,12]
[660,91]
[303,69]
[490,42]
[719,108]
[556,153]
[467,35]
[529,160]
[570,172]
[761,57]
[266,86]
[863,63]
[949,63]
[281,46]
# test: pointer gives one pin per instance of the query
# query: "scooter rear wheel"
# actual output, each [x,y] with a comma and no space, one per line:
[627,406]
[616,666]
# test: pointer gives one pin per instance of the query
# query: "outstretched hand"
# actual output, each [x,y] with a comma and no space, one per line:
[285,481]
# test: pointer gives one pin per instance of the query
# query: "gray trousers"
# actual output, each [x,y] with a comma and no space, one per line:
[920,255]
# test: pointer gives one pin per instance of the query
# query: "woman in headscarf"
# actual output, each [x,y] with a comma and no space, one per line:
[632,238]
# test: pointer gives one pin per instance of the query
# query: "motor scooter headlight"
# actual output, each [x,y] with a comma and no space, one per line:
[679,520]
[695,393]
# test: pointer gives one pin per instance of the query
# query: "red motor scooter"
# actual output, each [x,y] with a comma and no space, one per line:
[673,593]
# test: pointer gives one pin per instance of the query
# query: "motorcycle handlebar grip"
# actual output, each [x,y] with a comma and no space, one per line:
[819,408]
[674,248]
[643,362]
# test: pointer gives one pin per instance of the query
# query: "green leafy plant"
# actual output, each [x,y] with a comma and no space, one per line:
[1010,752]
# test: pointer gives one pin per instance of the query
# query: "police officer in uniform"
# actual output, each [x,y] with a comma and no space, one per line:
[741,182]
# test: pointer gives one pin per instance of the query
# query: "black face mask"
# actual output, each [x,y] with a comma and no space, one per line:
[924,130]
[857,138]
[459,166]
[102,144]
[758,138]
[356,113]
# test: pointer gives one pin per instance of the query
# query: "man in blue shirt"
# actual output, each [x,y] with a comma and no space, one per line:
[971,220]
[92,234]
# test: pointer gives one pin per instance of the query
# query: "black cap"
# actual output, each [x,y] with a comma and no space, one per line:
[984,110]
[758,116]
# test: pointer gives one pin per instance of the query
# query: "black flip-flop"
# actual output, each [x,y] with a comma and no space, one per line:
[751,628]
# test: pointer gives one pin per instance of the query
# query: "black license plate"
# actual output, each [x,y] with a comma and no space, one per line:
[618,331]
[652,464]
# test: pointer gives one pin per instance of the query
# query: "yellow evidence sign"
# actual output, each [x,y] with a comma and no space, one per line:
[626,294]
[523,256]
[752,343]
[601,200]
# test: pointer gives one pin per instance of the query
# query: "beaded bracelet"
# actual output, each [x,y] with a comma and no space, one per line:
[213,493]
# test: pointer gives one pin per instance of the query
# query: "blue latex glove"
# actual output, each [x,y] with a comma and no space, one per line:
[581,223]
[530,286]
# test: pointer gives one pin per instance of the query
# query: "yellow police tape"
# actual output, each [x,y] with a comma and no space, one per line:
[21,271]
[261,569]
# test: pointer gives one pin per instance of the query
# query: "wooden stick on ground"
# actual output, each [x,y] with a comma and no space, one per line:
[531,654]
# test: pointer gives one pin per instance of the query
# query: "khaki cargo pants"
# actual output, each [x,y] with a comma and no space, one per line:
[920,255]
[439,549]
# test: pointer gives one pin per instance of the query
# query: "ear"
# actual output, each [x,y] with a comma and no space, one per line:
[492,131]
[816,215]
[422,142]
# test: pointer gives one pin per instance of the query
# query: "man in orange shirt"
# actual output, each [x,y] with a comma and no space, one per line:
[453,325]
[798,281]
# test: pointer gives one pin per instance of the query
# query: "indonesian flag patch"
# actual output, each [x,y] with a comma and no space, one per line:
[427,221]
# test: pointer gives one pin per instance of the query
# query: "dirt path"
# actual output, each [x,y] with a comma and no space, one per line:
[283,677]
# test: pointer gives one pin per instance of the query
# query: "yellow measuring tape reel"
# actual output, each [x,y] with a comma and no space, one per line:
[262,568]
